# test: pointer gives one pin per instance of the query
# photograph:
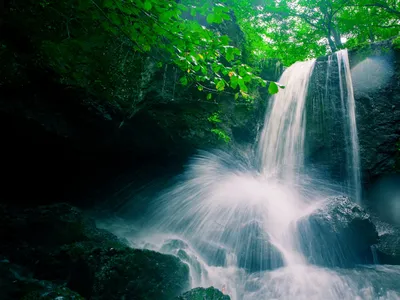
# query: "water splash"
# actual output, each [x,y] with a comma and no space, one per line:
[234,221]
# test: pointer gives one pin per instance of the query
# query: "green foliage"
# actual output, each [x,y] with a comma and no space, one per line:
[293,30]
[167,31]
[273,88]
[396,43]
[221,134]
[214,118]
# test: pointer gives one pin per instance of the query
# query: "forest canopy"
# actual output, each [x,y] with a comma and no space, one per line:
[188,33]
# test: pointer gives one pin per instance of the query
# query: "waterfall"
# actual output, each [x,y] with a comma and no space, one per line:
[331,140]
[350,125]
[282,139]
[248,227]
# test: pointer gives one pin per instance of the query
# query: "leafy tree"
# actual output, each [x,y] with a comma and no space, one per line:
[293,30]
[183,33]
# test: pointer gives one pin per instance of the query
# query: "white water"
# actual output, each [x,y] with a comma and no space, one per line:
[234,222]
[282,139]
[349,114]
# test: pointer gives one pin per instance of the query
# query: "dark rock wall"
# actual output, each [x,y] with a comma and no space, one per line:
[79,109]
[375,75]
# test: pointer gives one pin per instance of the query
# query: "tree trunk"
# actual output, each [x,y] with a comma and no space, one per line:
[336,36]
[332,44]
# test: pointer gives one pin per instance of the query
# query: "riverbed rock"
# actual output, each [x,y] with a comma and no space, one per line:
[254,250]
[388,248]
[210,293]
[16,283]
[337,234]
[213,253]
[59,243]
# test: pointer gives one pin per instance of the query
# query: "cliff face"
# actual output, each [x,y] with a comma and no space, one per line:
[375,75]
[78,106]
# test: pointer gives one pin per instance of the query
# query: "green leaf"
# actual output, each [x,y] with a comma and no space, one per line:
[242,85]
[236,96]
[220,85]
[234,82]
[184,80]
[200,88]
[209,96]
[273,88]
[216,68]
[230,54]
[210,18]
[147,5]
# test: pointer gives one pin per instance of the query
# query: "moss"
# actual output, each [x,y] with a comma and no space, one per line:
[90,261]
[140,274]
[396,43]
[210,293]
[16,283]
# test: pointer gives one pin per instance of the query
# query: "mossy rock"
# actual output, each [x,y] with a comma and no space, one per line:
[396,43]
[16,283]
[58,242]
[140,274]
[210,293]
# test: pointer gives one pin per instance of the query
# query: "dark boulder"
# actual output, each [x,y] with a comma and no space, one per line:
[388,248]
[17,283]
[210,293]
[59,243]
[337,234]
[214,254]
[254,250]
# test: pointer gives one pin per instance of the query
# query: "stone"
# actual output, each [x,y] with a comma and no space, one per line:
[339,233]
[388,247]
[59,243]
[210,293]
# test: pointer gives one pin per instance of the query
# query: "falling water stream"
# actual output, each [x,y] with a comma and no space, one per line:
[232,217]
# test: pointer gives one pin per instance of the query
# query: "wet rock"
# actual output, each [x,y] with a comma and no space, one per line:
[254,250]
[180,249]
[88,260]
[388,248]
[375,69]
[17,283]
[139,274]
[213,253]
[210,293]
[337,234]
[173,246]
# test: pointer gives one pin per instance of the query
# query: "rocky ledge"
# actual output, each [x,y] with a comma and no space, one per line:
[63,254]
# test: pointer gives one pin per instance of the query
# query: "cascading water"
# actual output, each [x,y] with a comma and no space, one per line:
[350,128]
[246,229]
[331,131]
[282,139]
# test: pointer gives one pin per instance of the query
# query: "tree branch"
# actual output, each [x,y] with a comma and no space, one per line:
[380,5]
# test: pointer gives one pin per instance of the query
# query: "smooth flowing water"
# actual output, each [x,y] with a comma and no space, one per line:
[233,217]
[350,128]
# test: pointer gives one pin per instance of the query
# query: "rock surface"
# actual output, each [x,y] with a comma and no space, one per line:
[375,74]
[210,293]
[337,234]
[58,243]
[17,283]
[388,248]
[375,71]
[83,98]
[255,253]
